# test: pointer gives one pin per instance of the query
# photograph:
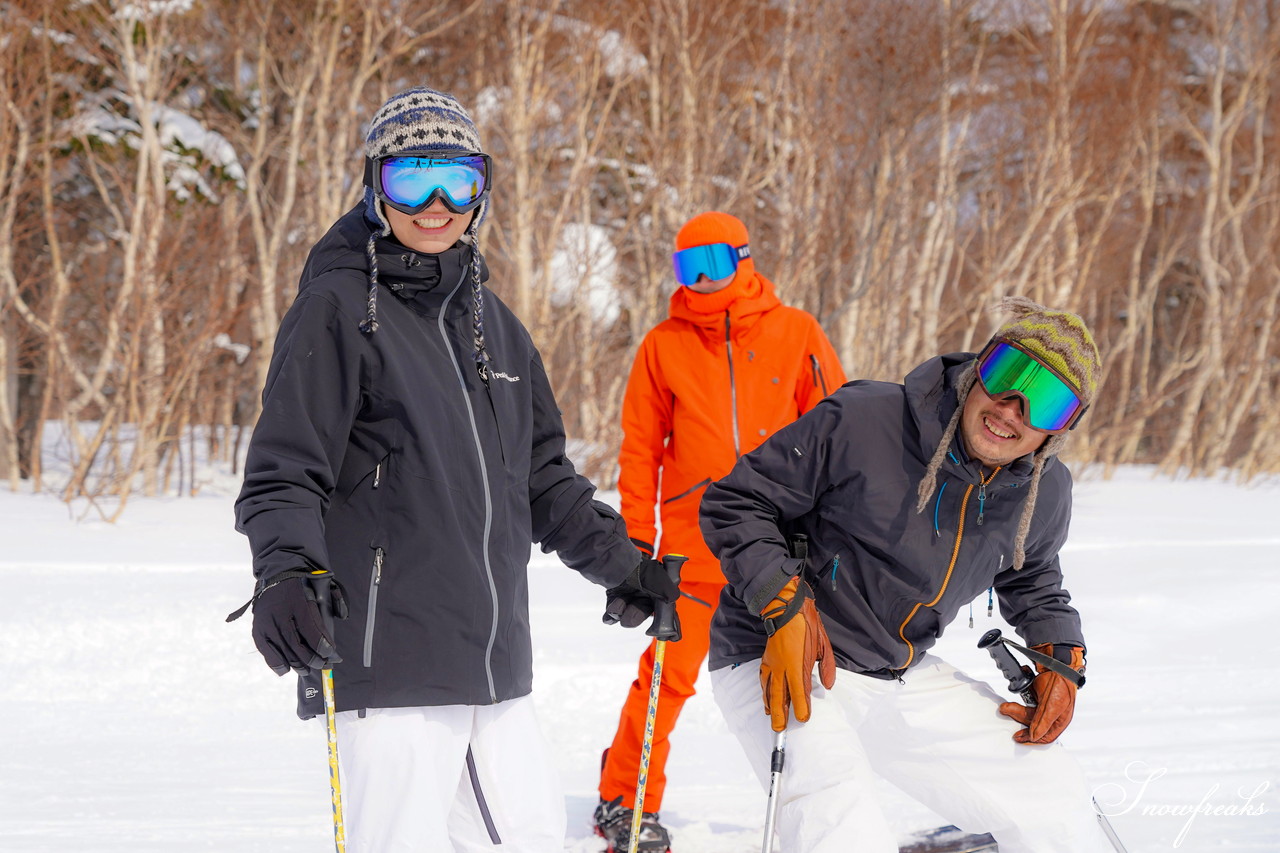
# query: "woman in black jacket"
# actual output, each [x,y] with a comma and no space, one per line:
[409,451]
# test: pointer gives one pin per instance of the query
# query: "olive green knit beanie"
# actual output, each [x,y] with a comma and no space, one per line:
[1058,338]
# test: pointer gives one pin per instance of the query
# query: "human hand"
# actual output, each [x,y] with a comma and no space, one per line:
[292,621]
[634,600]
[1055,701]
[793,647]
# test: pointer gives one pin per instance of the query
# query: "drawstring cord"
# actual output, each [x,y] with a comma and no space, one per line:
[936,506]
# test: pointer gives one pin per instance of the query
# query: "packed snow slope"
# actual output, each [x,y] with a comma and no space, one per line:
[139,721]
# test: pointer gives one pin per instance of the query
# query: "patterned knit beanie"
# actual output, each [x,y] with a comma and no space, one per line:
[424,121]
[1061,340]
[419,121]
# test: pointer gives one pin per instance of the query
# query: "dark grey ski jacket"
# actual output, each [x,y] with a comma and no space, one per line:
[884,580]
[386,459]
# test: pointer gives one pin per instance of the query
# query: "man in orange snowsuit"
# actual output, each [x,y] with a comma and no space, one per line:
[727,369]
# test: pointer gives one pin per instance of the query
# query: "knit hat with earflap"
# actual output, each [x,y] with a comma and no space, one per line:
[716,227]
[1061,340]
[423,121]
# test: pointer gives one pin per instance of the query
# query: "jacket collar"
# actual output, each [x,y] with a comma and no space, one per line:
[414,278]
[424,281]
[744,300]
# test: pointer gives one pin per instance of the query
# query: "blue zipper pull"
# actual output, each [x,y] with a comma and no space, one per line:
[835,566]
[982,500]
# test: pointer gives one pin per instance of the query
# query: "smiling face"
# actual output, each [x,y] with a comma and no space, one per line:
[995,432]
[431,231]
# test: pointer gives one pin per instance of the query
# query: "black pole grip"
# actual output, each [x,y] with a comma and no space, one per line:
[1019,677]
[663,626]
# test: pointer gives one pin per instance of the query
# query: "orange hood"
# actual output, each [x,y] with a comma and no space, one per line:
[747,297]
[749,294]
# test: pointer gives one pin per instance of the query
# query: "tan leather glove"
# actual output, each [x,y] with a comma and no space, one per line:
[796,641]
[1055,701]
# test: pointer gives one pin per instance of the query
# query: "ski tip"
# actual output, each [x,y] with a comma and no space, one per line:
[948,839]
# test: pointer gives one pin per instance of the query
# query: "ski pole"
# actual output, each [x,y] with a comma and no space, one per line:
[995,645]
[798,546]
[1107,829]
[663,628]
[1020,678]
[335,785]
[775,784]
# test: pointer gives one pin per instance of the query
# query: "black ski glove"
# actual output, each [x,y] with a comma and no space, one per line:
[293,617]
[632,601]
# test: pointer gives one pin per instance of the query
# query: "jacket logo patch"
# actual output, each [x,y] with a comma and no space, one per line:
[311,692]
[507,376]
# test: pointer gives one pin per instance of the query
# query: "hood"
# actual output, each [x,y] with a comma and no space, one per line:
[932,400]
[342,247]
[747,297]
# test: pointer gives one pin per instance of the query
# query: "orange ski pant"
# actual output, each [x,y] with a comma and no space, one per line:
[682,661]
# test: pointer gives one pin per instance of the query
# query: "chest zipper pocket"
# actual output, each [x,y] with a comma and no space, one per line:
[688,491]
[830,572]
[375,581]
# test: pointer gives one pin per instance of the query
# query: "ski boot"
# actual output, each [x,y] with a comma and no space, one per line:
[613,824]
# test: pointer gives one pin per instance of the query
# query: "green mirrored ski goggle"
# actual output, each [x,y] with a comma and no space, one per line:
[1006,370]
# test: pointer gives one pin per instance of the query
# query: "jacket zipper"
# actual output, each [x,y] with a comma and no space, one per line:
[955,553]
[375,580]
[819,379]
[484,481]
[733,389]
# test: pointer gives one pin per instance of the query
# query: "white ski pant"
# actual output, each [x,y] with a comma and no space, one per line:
[938,737]
[449,778]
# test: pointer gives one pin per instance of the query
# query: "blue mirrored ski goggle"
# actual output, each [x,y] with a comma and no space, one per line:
[410,183]
[715,261]
[1006,370]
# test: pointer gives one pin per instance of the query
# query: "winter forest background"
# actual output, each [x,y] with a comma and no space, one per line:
[166,165]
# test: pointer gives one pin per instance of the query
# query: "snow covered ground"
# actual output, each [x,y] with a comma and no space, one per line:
[138,721]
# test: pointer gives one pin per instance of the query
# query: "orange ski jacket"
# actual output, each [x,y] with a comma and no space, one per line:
[708,386]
